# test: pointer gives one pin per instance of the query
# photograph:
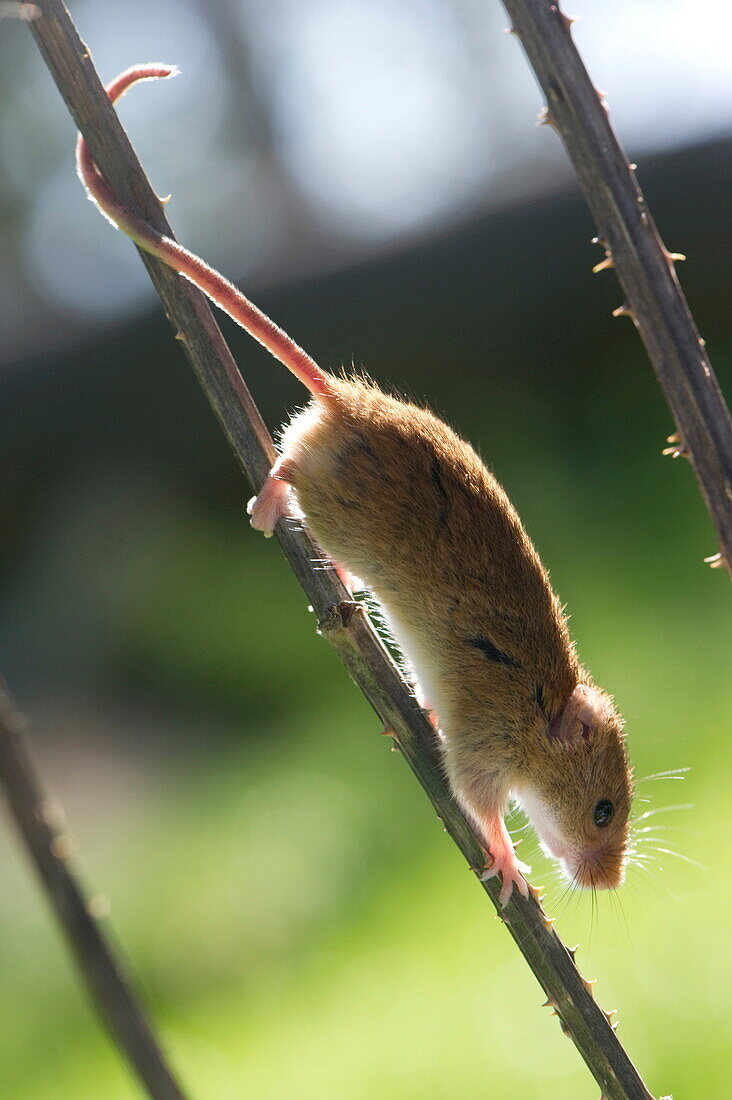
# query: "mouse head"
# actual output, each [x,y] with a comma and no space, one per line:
[579,794]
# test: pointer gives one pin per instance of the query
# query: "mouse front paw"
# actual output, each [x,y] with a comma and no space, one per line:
[273,502]
[503,862]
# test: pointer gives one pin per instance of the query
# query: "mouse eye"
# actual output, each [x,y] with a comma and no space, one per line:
[603,811]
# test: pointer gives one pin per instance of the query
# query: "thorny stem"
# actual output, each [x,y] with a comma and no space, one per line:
[343,623]
[645,268]
[48,846]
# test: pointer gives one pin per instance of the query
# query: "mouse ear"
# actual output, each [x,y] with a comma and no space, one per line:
[585,710]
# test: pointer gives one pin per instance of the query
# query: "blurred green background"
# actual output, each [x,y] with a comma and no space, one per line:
[299,924]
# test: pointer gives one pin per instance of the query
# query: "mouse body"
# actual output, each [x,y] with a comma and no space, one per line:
[396,497]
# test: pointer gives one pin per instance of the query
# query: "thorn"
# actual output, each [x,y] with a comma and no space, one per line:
[98,906]
[600,240]
[395,748]
[180,336]
[52,812]
[387,732]
[588,984]
[678,450]
[603,264]
[624,311]
[568,20]
[544,118]
[549,922]
[62,847]
[678,447]
[673,257]
[550,1002]
[511,30]
[718,561]
[633,167]
[164,199]
[609,1017]
[572,951]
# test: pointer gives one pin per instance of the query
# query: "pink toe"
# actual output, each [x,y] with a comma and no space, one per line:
[503,860]
[270,506]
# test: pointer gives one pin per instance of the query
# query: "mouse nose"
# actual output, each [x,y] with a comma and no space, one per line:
[600,874]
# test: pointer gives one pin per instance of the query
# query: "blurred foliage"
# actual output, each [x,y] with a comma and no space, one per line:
[299,923]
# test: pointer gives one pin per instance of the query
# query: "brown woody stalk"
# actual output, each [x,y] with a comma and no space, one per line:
[344,623]
[645,268]
[49,848]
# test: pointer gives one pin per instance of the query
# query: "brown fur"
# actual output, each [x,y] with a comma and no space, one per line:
[397,497]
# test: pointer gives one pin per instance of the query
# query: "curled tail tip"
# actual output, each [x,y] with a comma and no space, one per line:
[152,70]
[156,70]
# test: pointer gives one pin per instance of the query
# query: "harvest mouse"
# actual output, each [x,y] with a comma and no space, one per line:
[394,496]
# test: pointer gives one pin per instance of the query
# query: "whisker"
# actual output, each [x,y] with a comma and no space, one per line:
[672,773]
[563,896]
[645,843]
[635,854]
[661,885]
[573,901]
[618,907]
[663,810]
[517,812]
[570,890]
[666,829]
[681,856]
[557,880]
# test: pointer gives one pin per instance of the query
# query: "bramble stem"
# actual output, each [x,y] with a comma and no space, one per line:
[645,268]
[103,973]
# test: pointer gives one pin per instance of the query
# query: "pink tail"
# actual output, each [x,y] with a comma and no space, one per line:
[215,286]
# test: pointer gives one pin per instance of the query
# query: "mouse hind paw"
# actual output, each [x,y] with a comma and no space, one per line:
[512,873]
[503,862]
